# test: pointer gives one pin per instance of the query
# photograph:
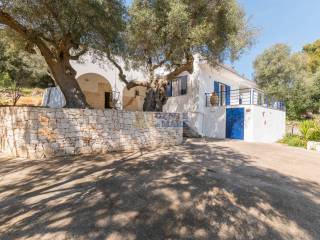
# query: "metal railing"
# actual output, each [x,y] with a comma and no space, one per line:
[246,96]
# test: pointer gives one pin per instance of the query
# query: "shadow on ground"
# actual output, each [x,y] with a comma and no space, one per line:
[194,191]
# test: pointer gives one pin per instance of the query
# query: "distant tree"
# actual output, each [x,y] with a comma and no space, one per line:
[23,68]
[64,30]
[315,91]
[166,34]
[313,52]
[3,56]
[9,87]
[284,75]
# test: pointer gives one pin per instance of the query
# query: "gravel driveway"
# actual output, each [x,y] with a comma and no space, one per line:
[200,190]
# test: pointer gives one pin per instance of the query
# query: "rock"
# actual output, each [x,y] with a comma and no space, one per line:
[313,146]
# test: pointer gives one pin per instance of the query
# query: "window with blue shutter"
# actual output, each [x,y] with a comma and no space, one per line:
[183,85]
[216,88]
[177,87]
[169,89]
[223,92]
[228,95]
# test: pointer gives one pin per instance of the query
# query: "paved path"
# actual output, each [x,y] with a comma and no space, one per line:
[200,190]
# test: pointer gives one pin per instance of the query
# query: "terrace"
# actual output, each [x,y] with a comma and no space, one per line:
[245,96]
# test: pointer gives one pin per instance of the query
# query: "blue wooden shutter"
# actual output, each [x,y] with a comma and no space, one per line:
[169,89]
[183,85]
[228,95]
[216,88]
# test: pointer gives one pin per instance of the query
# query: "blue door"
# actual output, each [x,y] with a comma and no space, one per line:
[235,123]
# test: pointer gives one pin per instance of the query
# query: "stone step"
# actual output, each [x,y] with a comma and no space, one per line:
[188,132]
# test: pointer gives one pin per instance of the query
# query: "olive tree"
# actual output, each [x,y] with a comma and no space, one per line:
[166,34]
[284,75]
[23,68]
[64,30]
[312,51]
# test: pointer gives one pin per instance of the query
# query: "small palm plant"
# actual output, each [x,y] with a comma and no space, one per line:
[310,130]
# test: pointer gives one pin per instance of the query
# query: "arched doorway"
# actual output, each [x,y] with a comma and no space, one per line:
[133,99]
[97,89]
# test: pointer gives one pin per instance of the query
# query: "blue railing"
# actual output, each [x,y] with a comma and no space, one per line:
[247,96]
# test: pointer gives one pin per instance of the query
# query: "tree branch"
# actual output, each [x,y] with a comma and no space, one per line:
[6,19]
[122,76]
[55,16]
[188,66]
[79,54]
[154,67]
[29,35]
[136,83]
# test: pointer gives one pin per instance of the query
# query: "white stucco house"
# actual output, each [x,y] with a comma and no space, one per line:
[217,101]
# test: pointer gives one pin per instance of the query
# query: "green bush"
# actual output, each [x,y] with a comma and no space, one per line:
[294,141]
[5,80]
[310,130]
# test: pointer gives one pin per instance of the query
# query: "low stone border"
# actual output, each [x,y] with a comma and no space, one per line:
[313,146]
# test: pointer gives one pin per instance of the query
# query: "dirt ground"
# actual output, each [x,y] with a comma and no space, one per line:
[200,190]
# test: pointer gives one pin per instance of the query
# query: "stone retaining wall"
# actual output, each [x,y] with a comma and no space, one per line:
[43,132]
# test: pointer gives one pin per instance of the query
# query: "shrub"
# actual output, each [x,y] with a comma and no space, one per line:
[294,141]
[310,130]
[5,80]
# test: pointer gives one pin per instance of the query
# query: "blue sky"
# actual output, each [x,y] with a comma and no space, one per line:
[294,22]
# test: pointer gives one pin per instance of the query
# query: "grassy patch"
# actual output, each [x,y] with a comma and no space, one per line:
[294,141]
[31,93]
[309,130]
[26,92]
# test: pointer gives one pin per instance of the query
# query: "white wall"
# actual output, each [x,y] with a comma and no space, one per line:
[207,76]
[248,123]
[210,74]
[260,124]
[188,103]
[104,68]
[200,82]
[264,125]
[214,125]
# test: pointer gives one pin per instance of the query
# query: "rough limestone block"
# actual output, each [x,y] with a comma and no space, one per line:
[313,146]
[83,150]
[70,150]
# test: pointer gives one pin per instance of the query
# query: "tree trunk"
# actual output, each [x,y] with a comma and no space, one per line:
[64,77]
[57,56]
[156,96]
[70,89]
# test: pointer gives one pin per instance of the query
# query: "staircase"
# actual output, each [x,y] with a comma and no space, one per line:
[188,132]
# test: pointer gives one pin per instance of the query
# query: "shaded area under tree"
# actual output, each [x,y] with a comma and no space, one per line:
[200,190]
